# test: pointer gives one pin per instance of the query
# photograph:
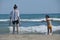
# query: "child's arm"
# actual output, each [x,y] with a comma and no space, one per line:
[49,19]
[10,22]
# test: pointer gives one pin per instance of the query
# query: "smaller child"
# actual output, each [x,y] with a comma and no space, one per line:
[49,25]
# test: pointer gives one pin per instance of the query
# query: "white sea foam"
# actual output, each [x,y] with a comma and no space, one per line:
[41,28]
[55,19]
[38,29]
[4,20]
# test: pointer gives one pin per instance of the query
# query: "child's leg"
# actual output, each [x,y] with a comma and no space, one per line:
[51,30]
[13,28]
[17,25]
[48,31]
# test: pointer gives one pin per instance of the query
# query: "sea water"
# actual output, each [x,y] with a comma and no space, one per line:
[30,23]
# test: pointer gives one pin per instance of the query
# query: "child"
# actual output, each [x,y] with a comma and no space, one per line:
[14,17]
[49,25]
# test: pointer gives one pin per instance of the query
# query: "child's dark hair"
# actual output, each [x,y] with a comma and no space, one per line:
[15,6]
[47,16]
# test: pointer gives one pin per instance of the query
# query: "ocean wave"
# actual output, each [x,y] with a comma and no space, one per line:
[43,19]
[37,29]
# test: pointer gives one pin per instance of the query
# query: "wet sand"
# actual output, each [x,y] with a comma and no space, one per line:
[29,37]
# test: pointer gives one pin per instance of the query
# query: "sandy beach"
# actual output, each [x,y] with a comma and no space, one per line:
[29,37]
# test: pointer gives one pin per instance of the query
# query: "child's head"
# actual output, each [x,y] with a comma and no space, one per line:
[15,6]
[47,16]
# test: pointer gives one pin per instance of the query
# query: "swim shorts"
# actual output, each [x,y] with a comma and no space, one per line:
[15,22]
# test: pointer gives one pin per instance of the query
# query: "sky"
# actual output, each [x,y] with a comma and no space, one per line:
[30,6]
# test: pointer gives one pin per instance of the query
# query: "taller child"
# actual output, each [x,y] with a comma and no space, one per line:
[14,18]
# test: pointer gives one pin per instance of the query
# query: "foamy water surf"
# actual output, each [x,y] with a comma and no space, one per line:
[35,29]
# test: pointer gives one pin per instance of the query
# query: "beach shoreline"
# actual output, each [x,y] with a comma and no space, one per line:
[29,37]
